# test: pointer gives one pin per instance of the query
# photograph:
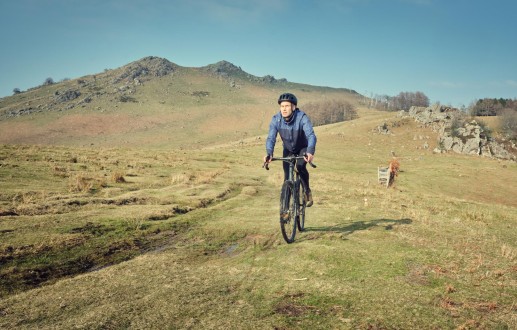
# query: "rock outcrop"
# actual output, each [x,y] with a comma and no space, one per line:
[459,135]
[227,70]
[148,66]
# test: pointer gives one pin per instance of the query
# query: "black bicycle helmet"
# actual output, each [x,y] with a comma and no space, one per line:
[288,97]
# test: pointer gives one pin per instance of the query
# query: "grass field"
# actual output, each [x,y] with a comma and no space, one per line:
[102,238]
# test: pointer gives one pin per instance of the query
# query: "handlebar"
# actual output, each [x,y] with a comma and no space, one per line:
[287,159]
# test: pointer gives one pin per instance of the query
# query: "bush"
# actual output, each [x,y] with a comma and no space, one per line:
[457,122]
[328,112]
[403,101]
[48,81]
[508,123]
[487,131]
[492,107]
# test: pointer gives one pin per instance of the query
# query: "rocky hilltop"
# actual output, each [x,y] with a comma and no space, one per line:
[224,69]
[150,66]
[120,85]
[117,85]
[151,102]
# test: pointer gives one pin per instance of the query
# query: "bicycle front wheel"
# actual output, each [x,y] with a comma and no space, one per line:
[288,205]
[302,203]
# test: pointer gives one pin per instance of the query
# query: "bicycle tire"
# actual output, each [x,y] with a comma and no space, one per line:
[302,203]
[287,211]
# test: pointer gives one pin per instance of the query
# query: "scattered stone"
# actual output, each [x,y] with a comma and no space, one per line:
[66,96]
[383,129]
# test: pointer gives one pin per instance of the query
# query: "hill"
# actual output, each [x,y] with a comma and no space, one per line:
[151,102]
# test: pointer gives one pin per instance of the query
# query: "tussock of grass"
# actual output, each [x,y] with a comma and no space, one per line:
[82,182]
[180,178]
[118,177]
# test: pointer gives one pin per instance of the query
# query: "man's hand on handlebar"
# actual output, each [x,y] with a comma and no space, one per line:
[308,157]
[267,160]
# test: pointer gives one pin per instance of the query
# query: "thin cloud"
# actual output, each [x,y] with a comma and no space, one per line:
[348,6]
[505,83]
[341,6]
[418,2]
[236,10]
[446,84]
[511,83]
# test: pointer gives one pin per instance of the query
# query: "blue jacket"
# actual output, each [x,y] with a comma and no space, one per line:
[296,134]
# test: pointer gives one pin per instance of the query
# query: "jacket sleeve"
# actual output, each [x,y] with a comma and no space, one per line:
[271,137]
[309,134]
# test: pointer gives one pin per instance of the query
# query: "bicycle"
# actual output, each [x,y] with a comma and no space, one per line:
[292,199]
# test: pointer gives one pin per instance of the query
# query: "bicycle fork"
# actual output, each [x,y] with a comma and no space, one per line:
[288,203]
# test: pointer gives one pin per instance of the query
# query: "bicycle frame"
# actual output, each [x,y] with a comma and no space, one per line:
[292,166]
[292,209]
[293,175]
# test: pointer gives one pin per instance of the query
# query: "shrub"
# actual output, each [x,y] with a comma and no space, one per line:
[403,101]
[48,81]
[328,112]
[457,122]
[508,123]
[487,131]
[492,107]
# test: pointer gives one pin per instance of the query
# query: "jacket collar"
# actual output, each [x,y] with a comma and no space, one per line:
[291,119]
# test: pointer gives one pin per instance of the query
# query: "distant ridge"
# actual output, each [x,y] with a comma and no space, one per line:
[151,102]
[152,66]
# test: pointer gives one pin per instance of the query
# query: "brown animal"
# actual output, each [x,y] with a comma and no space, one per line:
[393,170]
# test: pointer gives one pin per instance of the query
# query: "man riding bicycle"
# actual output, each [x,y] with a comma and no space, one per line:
[295,129]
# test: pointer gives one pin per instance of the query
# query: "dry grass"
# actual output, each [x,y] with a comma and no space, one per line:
[82,182]
[435,251]
[118,177]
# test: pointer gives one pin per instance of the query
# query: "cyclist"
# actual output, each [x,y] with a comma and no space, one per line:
[295,129]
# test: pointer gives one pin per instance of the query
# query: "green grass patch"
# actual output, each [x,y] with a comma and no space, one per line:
[193,240]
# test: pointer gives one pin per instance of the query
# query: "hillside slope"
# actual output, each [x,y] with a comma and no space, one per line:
[151,103]
[436,250]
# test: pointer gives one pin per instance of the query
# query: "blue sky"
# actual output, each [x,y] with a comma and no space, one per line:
[454,51]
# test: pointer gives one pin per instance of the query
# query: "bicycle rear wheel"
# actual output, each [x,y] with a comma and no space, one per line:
[302,202]
[288,206]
